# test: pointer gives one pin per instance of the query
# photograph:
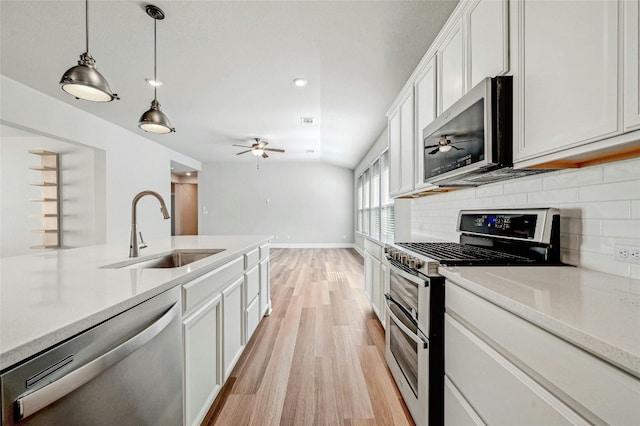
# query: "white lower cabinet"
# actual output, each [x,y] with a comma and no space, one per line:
[202,359]
[265,287]
[510,371]
[457,410]
[233,325]
[375,277]
[252,300]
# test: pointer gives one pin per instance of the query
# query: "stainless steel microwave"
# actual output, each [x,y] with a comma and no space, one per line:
[471,143]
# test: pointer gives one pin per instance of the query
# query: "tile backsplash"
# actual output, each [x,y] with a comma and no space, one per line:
[599,207]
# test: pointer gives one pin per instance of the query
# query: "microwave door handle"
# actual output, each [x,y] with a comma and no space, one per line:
[33,402]
[417,281]
[413,336]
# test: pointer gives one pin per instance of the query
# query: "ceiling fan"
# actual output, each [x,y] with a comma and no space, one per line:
[258,149]
[445,145]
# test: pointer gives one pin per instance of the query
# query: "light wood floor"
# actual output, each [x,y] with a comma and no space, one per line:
[319,358]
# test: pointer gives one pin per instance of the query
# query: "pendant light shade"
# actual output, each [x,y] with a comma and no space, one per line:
[83,81]
[154,120]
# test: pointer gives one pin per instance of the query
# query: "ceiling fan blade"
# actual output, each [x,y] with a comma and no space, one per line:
[273,149]
[456,148]
[241,146]
[466,140]
[431,146]
[244,152]
[434,151]
[264,155]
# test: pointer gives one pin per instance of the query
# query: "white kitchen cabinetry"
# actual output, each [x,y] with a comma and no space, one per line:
[375,277]
[451,68]
[265,281]
[535,377]
[567,74]
[631,94]
[252,293]
[488,35]
[401,147]
[202,359]
[233,325]
[425,89]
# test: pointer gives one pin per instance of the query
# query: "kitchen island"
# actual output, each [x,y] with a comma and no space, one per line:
[46,298]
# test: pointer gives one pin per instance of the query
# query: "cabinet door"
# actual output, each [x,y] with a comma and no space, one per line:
[203,369]
[488,40]
[457,411]
[406,144]
[426,107]
[252,279]
[451,68]
[568,74]
[368,276]
[265,288]
[631,64]
[376,288]
[232,325]
[394,153]
[252,317]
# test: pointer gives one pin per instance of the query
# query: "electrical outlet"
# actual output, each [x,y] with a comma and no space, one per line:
[626,253]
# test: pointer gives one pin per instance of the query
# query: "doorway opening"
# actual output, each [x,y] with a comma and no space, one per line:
[184,200]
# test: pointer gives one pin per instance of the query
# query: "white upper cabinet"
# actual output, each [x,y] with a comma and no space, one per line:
[394,153]
[568,74]
[425,89]
[451,75]
[488,48]
[407,144]
[631,13]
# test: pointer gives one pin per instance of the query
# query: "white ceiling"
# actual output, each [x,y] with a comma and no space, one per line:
[228,66]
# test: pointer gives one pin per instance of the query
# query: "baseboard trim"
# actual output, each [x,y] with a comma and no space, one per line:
[313,245]
[359,250]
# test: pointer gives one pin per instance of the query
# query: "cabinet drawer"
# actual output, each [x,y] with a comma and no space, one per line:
[252,280]
[595,389]
[372,248]
[251,258]
[457,411]
[498,391]
[198,290]
[252,317]
[264,251]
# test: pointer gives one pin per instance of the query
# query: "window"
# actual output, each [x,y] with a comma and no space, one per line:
[375,212]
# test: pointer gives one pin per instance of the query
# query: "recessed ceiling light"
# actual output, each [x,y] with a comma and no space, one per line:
[300,82]
[153,82]
[188,173]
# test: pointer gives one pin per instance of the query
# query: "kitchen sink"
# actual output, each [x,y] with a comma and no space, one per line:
[173,259]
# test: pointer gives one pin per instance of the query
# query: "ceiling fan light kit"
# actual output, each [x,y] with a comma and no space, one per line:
[258,149]
[154,120]
[84,81]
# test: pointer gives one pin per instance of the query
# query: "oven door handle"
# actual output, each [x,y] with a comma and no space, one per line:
[414,279]
[415,337]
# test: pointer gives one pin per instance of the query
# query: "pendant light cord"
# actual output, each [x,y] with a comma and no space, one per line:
[86,22]
[155,58]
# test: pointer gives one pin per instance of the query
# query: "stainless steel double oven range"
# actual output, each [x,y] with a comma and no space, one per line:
[415,302]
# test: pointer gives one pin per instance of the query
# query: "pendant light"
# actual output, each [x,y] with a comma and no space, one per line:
[154,120]
[84,81]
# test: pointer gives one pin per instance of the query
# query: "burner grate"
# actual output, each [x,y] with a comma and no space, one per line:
[459,254]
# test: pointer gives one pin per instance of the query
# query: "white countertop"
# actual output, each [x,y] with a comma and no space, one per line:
[595,311]
[50,296]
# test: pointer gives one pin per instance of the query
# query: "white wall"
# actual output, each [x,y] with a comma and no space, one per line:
[132,162]
[599,206]
[81,207]
[305,204]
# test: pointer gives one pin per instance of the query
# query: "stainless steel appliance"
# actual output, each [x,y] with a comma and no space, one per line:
[415,302]
[471,143]
[414,338]
[124,371]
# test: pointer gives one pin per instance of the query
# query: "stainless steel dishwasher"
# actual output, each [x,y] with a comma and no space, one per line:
[124,371]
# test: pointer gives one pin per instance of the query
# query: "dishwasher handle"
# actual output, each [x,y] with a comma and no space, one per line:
[33,402]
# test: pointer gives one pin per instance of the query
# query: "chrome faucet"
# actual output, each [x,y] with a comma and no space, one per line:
[137,242]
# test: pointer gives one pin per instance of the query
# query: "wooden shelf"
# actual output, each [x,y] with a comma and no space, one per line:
[43,184]
[50,193]
[43,168]
[41,152]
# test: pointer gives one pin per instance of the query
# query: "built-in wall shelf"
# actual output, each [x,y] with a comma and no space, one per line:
[50,198]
